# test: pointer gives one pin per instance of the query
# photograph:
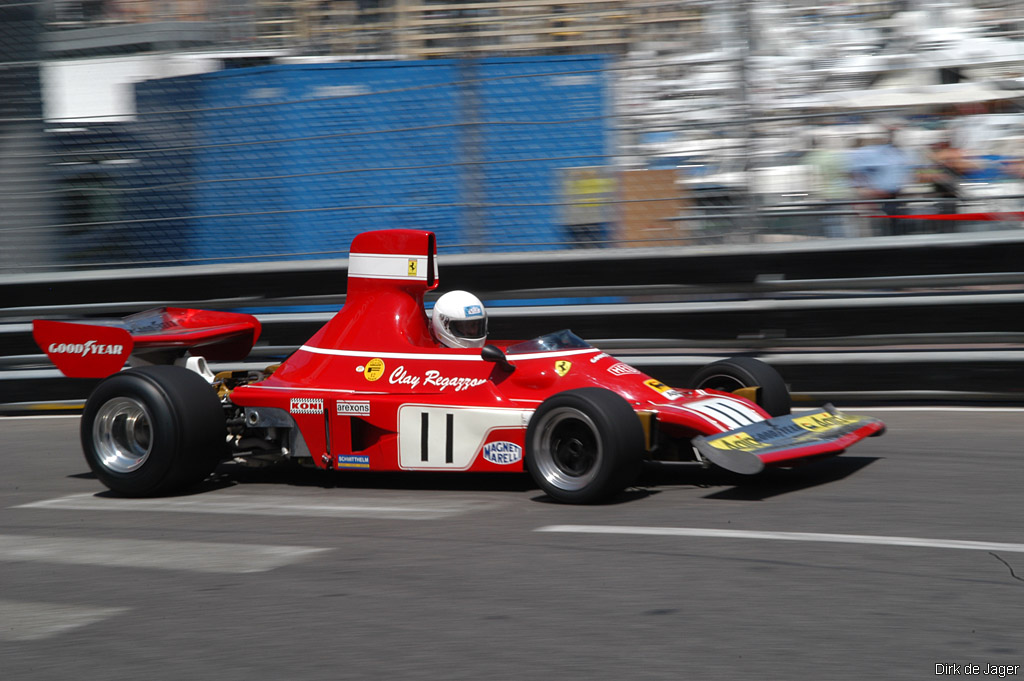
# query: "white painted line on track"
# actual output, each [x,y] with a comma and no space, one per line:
[267,505]
[152,554]
[877,540]
[36,417]
[27,621]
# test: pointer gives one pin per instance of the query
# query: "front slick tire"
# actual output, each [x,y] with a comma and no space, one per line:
[735,373]
[584,446]
[153,430]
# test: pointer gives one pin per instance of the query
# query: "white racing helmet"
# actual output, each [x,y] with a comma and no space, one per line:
[459,320]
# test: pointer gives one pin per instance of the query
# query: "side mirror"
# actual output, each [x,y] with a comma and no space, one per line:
[491,353]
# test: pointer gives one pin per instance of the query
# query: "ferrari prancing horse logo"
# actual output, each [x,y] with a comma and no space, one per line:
[562,367]
[412,267]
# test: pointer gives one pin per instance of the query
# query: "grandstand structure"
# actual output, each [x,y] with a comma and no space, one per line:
[415,29]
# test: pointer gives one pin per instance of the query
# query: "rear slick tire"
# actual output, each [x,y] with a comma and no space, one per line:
[584,446]
[153,431]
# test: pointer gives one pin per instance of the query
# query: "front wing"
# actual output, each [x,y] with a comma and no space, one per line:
[786,440]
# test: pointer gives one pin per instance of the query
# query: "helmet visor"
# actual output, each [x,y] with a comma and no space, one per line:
[468,328]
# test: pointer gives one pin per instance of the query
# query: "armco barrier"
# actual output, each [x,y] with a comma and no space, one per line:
[926,317]
[742,269]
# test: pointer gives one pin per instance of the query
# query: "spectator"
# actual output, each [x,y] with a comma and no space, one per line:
[948,167]
[879,171]
[830,182]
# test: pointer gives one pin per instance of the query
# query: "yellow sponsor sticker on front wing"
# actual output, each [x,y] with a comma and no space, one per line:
[824,421]
[737,442]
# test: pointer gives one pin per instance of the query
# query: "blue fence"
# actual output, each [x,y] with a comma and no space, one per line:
[297,159]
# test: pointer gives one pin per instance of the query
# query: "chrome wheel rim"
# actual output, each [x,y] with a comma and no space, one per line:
[568,449]
[122,435]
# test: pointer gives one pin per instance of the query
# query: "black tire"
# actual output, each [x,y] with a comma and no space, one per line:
[584,446]
[730,375]
[153,430]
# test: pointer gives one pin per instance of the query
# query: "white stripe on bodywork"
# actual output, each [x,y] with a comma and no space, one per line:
[436,357]
[725,411]
[387,266]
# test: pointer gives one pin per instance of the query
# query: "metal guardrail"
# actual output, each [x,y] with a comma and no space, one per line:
[936,317]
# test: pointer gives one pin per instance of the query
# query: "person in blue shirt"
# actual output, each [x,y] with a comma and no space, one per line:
[880,171]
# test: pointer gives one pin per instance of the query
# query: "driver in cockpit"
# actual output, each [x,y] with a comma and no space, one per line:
[459,320]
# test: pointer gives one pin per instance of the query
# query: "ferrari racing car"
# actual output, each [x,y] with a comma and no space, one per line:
[374,389]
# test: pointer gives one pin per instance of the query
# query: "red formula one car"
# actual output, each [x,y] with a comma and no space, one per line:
[374,390]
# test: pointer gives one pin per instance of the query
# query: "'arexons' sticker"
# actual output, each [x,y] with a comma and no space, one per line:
[621,369]
[347,408]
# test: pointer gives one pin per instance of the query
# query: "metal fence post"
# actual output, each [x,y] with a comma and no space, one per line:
[25,239]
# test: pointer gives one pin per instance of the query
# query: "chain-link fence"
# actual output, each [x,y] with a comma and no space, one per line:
[179,131]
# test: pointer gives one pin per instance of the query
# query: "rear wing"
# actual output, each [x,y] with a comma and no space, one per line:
[97,348]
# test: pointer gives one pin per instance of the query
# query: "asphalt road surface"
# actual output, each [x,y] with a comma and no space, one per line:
[901,559]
